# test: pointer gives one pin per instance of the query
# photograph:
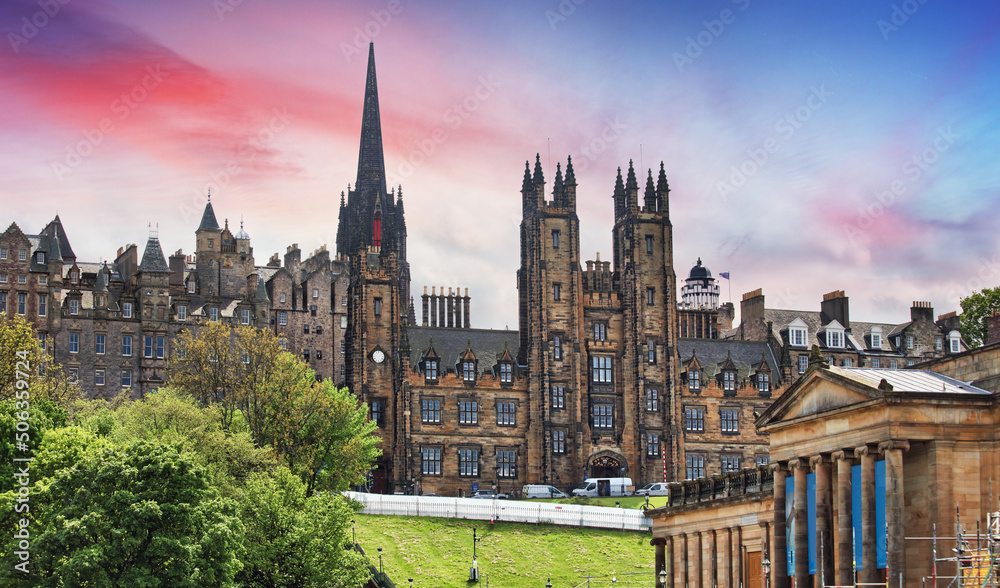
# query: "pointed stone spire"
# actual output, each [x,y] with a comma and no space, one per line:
[371,165]
[399,207]
[152,258]
[557,184]
[662,192]
[649,198]
[538,177]
[526,184]
[631,189]
[619,195]
[631,183]
[570,176]
[208,217]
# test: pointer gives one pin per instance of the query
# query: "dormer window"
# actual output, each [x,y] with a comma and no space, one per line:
[74,277]
[835,335]
[191,287]
[729,381]
[954,342]
[74,306]
[506,373]
[600,331]
[468,371]
[431,369]
[213,314]
[694,380]
[763,382]
[798,333]
[876,336]
[40,258]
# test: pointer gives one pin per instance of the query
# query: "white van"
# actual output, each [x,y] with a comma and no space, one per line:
[605,487]
[541,491]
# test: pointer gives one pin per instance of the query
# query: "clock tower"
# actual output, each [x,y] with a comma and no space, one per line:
[371,236]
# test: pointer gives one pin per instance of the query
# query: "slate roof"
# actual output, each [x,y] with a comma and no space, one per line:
[712,353]
[487,344]
[208,218]
[152,258]
[909,380]
[857,335]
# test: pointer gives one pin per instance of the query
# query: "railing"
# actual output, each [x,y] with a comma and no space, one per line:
[511,511]
[379,578]
[747,482]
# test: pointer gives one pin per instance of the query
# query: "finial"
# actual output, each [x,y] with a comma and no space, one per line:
[210,195]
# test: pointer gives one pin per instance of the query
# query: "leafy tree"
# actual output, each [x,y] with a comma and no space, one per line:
[976,311]
[141,515]
[297,541]
[21,355]
[43,415]
[222,365]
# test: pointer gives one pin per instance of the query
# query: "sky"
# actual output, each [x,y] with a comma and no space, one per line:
[809,147]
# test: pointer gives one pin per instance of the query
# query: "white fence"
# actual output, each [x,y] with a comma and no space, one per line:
[511,511]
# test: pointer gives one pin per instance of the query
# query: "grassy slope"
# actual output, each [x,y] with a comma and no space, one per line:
[437,552]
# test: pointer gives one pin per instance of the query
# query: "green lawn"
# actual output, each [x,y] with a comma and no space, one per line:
[437,552]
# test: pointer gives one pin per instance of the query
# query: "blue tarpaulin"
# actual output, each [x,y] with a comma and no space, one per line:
[880,535]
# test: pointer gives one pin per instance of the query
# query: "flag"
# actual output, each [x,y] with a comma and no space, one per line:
[724,275]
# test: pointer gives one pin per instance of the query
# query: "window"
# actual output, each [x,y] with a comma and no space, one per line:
[378,307]
[378,416]
[558,397]
[343,322]
[876,335]
[604,416]
[468,412]
[3,278]
[910,362]
[730,463]
[74,342]
[40,258]
[909,341]
[245,316]
[652,444]
[22,303]
[694,380]
[319,353]
[729,418]
[213,314]
[43,304]
[343,300]
[652,400]
[954,342]
[282,317]
[126,378]
[343,370]
[555,239]
[650,296]
[22,254]
[468,462]
[246,358]
[762,460]
[22,279]
[430,461]
[3,302]
[893,364]
[937,344]
[305,329]
[803,363]
[160,347]
[43,280]
[651,351]
[126,345]
[318,330]
[506,463]
[42,341]
[468,371]
[147,347]
[312,310]
[191,287]
[506,373]
[3,253]
[556,290]
[343,346]
[797,337]
[281,298]
[127,310]
[283,343]
[649,243]
[431,369]
[729,381]
[315,292]
[876,362]
[182,312]
[558,441]
[99,343]
[764,382]
[99,377]
[74,277]
[694,420]
[834,339]
[600,331]
[695,466]
[506,414]
[74,375]
[557,348]
[601,369]
[430,411]
[305,354]
[74,306]
[848,362]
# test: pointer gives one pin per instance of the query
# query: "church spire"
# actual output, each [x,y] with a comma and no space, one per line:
[371,165]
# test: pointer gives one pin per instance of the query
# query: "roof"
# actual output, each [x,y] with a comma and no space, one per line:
[208,218]
[917,381]
[699,272]
[858,333]
[152,258]
[712,353]
[450,344]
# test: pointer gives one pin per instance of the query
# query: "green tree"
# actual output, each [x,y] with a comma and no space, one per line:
[140,515]
[977,308]
[43,415]
[21,356]
[295,540]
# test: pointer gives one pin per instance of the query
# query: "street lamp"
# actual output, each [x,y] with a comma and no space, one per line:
[380,562]
[411,582]
[765,565]
[549,583]
[353,536]
[663,578]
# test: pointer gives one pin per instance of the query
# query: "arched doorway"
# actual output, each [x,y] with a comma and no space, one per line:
[607,466]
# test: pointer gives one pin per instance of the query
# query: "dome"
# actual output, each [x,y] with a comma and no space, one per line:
[700,272]
[242,234]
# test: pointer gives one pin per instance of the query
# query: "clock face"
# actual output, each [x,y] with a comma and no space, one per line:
[378,356]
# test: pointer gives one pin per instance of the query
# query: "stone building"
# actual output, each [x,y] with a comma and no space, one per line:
[699,313]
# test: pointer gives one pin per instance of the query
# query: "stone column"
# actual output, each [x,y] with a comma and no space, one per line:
[699,559]
[738,574]
[941,493]
[779,563]
[798,468]
[671,562]
[868,572]
[685,560]
[765,551]
[845,528]
[895,531]
[729,577]
[824,519]
[659,545]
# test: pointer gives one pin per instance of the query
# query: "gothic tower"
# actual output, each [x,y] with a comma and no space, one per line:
[371,236]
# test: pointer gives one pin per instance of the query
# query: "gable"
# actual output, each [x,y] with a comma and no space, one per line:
[819,396]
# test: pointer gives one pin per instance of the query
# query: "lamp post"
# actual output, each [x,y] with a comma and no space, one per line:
[765,566]
[663,578]
[380,562]
[549,583]
[411,582]
[353,536]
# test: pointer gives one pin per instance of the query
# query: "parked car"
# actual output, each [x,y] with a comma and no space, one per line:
[654,489]
[605,487]
[542,491]
[487,494]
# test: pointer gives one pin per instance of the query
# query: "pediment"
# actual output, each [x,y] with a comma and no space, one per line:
[816,393]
